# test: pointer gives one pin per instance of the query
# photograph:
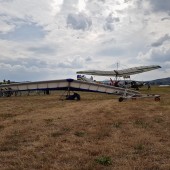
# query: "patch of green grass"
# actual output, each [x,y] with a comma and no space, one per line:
[79,134]
[56,134]
[139,148]
[158,119]
[117,124]
[48,120]
[66,129]
[7,115]
[7,148]
[104,160]
[141,123]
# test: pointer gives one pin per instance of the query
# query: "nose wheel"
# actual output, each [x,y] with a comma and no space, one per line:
[121,99]
[157,99]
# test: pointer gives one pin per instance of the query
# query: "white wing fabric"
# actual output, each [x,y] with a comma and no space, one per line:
[121,73]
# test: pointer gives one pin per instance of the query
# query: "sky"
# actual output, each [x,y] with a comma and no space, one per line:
[48,40]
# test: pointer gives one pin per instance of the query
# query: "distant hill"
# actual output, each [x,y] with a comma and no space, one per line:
[163,81]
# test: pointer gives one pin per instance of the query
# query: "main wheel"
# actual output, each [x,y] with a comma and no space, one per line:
[121,99]
[157,99]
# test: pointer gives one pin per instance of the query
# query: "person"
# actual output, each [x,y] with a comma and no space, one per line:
[149,86]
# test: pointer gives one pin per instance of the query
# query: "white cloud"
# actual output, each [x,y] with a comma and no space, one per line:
[110,21]
[5,27]
[156,55]
[79,21]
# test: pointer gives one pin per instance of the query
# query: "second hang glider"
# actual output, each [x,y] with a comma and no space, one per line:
[120,73]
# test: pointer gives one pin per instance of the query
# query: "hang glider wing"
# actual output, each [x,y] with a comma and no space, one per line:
[65,84]
[120,73]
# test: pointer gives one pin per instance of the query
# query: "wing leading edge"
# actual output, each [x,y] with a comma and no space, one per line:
[121,73]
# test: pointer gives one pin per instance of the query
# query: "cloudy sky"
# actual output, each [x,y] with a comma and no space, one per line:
[44,40]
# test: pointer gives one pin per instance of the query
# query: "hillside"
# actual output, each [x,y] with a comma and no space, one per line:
[163,81]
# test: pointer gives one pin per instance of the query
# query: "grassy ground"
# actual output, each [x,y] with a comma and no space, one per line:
[98,132]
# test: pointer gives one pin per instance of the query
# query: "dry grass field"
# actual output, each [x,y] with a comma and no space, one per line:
[96,133]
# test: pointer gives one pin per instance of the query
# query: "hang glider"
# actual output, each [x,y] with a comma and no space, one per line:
[8,90]
[121,73]
[65,84]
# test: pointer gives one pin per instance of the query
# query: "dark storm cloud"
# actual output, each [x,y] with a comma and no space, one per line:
[159,55]
[110,21]
[161,40]
[160,5]
[109,27]
[78,21]
[165,18]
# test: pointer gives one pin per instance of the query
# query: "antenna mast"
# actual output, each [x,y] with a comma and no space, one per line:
[117,64]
